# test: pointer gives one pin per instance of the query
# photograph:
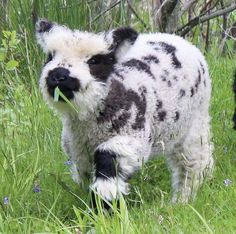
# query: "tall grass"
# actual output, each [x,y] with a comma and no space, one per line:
[37,194]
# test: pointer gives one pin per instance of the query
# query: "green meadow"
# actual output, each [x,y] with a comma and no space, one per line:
[37,194]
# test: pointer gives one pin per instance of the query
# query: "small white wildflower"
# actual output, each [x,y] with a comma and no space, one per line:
[227,182]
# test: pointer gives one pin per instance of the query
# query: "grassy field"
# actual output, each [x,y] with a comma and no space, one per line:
[37,194]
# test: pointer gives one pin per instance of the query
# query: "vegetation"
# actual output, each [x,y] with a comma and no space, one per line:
[37,194]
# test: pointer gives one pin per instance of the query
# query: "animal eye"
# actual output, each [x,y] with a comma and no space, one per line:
[50,57]
[93,61]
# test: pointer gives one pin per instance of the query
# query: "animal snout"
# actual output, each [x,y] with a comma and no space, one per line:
[58,75]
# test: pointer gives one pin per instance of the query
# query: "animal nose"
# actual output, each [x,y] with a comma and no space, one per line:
[58,75]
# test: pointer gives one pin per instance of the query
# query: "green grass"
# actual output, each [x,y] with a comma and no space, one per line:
[31,155]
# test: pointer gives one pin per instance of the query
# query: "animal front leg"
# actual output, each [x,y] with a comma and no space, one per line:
[115,162]
[107,181]
[78,162]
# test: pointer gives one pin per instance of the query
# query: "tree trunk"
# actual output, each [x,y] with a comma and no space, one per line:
[165,14]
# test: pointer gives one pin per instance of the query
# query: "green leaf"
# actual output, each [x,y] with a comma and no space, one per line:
[56,94]
[4,43]
[6,34]
[11,65]
[13,39]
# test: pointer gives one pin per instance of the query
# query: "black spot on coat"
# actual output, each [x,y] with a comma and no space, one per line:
[169,49]
[118,73]
[182,93]
[120,100]
[152,42]
[139,65]
[202,67]
[176,116]
[150,59]
[161,115]
[192,92]
[198,81]
[175,78]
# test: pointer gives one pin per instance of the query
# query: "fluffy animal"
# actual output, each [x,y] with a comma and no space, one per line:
[126,98]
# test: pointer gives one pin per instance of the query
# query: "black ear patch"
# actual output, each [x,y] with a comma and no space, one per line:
[123,34]
[43,26]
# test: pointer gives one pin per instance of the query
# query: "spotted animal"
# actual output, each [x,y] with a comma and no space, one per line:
[128,96]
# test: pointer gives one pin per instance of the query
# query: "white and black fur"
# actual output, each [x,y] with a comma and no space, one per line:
[134,96]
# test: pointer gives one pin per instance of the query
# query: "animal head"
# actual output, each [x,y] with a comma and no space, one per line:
[79,63]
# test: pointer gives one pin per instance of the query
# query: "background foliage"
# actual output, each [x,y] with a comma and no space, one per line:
[37,194]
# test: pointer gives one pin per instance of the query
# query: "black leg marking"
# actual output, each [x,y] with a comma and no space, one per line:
[105,163]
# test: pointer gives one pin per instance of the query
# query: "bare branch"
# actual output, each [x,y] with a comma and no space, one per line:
[136,14]
[173,19]
[201,19]
[105,11]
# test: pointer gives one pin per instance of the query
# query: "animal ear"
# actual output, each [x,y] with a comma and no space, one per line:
[42,28]
[43,25]
[122,39]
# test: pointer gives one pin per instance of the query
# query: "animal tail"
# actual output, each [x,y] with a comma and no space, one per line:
[234,90]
